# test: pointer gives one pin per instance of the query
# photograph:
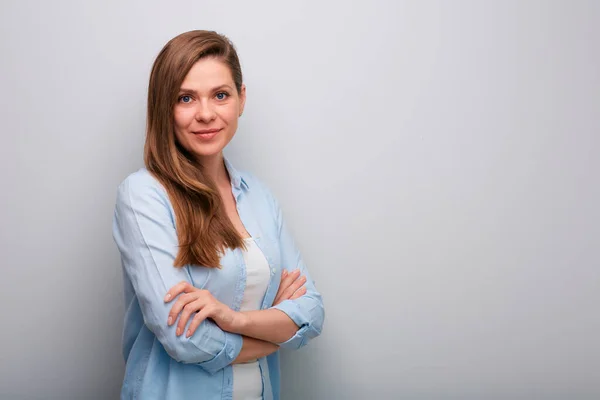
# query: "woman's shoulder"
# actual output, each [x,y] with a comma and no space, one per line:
[254,183]
[260,191]
[141,178]
[140,183]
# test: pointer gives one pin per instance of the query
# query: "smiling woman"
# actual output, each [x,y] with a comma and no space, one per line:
[208,107]
[214,284]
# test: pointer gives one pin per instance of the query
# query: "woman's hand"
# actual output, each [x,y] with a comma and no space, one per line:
[201,302]
[291,286]
[193,300]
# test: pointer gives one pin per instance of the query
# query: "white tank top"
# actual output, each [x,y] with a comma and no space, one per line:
[247,379]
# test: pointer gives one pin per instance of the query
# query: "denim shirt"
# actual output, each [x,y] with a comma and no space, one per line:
[162,365]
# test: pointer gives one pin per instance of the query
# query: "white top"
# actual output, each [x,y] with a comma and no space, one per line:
[247,379]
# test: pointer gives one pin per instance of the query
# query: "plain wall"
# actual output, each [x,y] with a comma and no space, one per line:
[438,163]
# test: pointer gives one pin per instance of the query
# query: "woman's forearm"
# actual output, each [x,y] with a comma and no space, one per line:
[270,325]
[253,349]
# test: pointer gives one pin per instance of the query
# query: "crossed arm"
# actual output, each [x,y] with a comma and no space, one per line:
[144,232]
[261,330]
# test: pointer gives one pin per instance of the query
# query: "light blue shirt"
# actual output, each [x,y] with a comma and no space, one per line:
[162,365]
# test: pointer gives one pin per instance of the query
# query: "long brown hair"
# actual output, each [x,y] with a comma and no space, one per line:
[203,229]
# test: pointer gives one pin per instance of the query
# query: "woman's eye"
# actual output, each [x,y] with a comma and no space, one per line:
[185,99]
[222,95]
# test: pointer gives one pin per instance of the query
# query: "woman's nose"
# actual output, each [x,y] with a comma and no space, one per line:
[205,112]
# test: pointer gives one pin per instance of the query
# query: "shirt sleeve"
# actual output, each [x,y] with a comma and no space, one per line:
[307,311]
[144,232]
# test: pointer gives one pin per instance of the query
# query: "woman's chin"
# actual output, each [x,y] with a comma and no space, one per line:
[210,151]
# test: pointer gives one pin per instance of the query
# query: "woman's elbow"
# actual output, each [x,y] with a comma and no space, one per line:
[318,320]
[179,348]
[318,316]
[315,327]
[184,351]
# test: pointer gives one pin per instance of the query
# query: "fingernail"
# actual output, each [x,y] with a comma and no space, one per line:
[178,331]
[303,279]
[188,334]
[170,321]
[284,273]
[168,297]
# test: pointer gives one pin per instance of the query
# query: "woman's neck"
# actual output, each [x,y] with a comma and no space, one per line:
[214,168]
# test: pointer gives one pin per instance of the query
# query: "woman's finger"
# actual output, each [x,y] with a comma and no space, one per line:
[281,288]
[181,302]
[187,311]
[297,284]
[288,280]
[287,293]
[197,320]
[299,293]
[181,287]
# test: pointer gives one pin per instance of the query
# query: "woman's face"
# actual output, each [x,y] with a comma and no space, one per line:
[208,108]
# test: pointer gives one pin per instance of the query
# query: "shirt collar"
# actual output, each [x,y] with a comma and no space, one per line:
[237,179]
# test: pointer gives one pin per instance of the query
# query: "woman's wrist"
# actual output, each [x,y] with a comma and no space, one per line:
[270,325]
[241,322]
[253,349]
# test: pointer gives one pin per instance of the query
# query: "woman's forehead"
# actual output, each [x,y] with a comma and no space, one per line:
[207,74]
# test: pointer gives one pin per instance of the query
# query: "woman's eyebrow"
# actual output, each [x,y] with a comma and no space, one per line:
[186,90]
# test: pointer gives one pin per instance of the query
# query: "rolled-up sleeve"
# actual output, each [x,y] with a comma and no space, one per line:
[307,312]
[145,234]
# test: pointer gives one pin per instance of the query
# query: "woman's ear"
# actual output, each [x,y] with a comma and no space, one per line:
[242,99]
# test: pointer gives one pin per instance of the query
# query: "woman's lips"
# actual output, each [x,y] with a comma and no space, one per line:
[206,134]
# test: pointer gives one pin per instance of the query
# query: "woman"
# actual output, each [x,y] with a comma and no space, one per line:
[214,284]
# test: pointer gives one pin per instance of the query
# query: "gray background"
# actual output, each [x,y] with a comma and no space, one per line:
[438,163]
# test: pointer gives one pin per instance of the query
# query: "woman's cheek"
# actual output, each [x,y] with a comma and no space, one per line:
[183,116]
